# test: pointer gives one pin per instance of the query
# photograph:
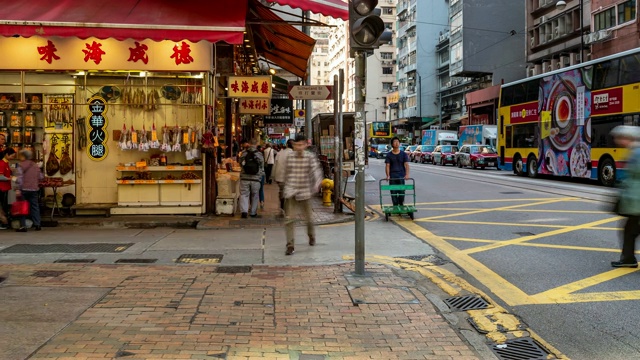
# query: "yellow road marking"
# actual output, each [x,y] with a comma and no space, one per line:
[520,210]
[542,245]
[538,236]
[487,201]
[490,223]
[501,287]
[502,208]
[560,292]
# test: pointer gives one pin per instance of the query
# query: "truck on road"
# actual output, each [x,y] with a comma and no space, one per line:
[478,135]
[439,137]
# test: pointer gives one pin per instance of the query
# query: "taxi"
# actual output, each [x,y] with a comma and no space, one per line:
[477,156]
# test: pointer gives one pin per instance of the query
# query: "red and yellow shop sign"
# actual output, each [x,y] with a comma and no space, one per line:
[53,53]
[255,106]
[249,87]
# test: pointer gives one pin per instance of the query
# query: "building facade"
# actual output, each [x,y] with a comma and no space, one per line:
[615,27]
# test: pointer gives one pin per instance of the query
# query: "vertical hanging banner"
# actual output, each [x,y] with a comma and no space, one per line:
[97,122]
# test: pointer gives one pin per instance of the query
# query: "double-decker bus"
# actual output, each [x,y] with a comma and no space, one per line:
[558,123]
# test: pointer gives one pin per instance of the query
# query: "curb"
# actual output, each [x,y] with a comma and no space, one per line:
[201,225]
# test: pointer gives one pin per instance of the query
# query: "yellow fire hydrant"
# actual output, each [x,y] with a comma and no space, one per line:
[327,190]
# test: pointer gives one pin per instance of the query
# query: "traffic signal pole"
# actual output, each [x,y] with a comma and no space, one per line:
[360,145]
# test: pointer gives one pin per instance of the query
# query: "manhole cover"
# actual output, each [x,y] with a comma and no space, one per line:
[48,273]
[511,192]
[75,261]
[65,248]
[136,261]
[202,259]
[468,302]
[381,295]
[234,269]
[520,349]
[524,233]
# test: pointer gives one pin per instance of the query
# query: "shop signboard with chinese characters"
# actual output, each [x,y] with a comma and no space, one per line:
[249,87]
[281,112]
[97,122]
[56,53]
[255,106]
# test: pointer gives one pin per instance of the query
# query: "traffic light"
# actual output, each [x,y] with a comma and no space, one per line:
[367,30]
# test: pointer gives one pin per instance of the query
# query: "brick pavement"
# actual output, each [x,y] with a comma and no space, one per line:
[195,312]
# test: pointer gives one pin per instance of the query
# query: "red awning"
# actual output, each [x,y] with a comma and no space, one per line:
[280,42]
[337,9]
[193,20]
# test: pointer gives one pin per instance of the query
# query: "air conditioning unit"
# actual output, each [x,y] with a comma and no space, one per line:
[389,1]
[533,41]
[564,61]
[448,84]
[574,58]
[543,19]
[556,32]
[394,62]
[546,66]
[605,34]
[458,105]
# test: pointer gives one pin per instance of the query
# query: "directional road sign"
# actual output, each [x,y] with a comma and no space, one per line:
[310,92]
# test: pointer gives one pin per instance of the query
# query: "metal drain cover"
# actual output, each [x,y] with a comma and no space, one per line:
[48,273]
[136,261]
[202,259]
[75,261]
[65,248]
[234,269]
[520,349]
[467,302]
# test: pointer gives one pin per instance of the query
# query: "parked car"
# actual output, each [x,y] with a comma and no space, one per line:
[409,150]
[382,151]
[422,154]
[444,154]
[477,156]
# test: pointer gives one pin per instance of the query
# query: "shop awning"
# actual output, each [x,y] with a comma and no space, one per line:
[337,9]
[279,42]
[193,20]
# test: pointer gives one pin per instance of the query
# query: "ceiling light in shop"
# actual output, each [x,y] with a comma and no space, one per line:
[272,71]
[248,45]
[142,74]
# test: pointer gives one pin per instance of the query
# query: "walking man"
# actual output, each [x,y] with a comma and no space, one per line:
[251,175]
[269,160]
[397,169]
[280,170]
[303,178]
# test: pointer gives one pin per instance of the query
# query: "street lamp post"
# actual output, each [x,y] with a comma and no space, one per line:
[560,5]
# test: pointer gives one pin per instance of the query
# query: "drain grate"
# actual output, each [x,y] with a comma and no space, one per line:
[511,192]
[202,259]
[75,261]
[467,302]
[48,273]
[65,248]
[234,269]
[524,233]
[136,261]
[520,349]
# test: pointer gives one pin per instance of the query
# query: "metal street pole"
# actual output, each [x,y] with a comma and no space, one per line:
[340,129]
[337,183]
[581,32]
[359,144]
[308,131]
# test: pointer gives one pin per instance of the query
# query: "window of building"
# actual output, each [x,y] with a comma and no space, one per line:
[387,70]
[386,55]
[456,23]
[626,11]
[387,86]
[605,19]
[387,11]
[616,15]
[456,52]
[388,26]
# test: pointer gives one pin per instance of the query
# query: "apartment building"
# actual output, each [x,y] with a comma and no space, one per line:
[615,27]
[474,53]
[319,63]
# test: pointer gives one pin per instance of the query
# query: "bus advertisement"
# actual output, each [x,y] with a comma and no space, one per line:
[558,123]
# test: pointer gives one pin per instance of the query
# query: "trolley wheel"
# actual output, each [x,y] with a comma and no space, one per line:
[411,215]
[386,217]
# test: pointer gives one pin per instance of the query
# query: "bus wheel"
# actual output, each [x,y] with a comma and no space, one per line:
[518,166]
[532,167]
[607,172]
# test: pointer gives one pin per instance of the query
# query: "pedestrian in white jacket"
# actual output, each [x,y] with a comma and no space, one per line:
[280,170]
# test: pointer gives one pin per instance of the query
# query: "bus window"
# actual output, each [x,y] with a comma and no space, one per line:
[507,137]
[532,91]
[525,136]
[605,74]
[600,129]
[630,69]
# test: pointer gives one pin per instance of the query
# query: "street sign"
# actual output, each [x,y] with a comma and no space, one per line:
[299,122]
[300,113]
[311,92]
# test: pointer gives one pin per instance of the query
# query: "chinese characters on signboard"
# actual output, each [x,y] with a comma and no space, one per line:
[380,130]
[249,87]
[281,112]
[97,150]
[255,106]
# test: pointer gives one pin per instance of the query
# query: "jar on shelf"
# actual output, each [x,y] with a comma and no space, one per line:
[3,120]
[30,119]
[16,119]
[29,135]
[16,136]
[5,131]
[163,160]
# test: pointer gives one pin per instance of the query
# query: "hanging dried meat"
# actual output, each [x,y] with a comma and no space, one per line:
[53,165]
[66,165]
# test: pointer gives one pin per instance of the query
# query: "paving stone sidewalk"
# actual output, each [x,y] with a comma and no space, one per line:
[201,312]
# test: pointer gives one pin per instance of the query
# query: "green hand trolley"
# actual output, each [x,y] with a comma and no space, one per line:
[410,190]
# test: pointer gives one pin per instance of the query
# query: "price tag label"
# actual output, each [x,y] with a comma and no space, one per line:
[141,164]
[169,181]
[171,167]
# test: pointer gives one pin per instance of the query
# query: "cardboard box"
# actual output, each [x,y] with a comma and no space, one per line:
[332,130]
[325,133]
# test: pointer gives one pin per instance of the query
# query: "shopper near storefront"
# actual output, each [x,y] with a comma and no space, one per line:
[29,176]
[270,160]
[303,178]
[5,186]
[280,170]
[251,176]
